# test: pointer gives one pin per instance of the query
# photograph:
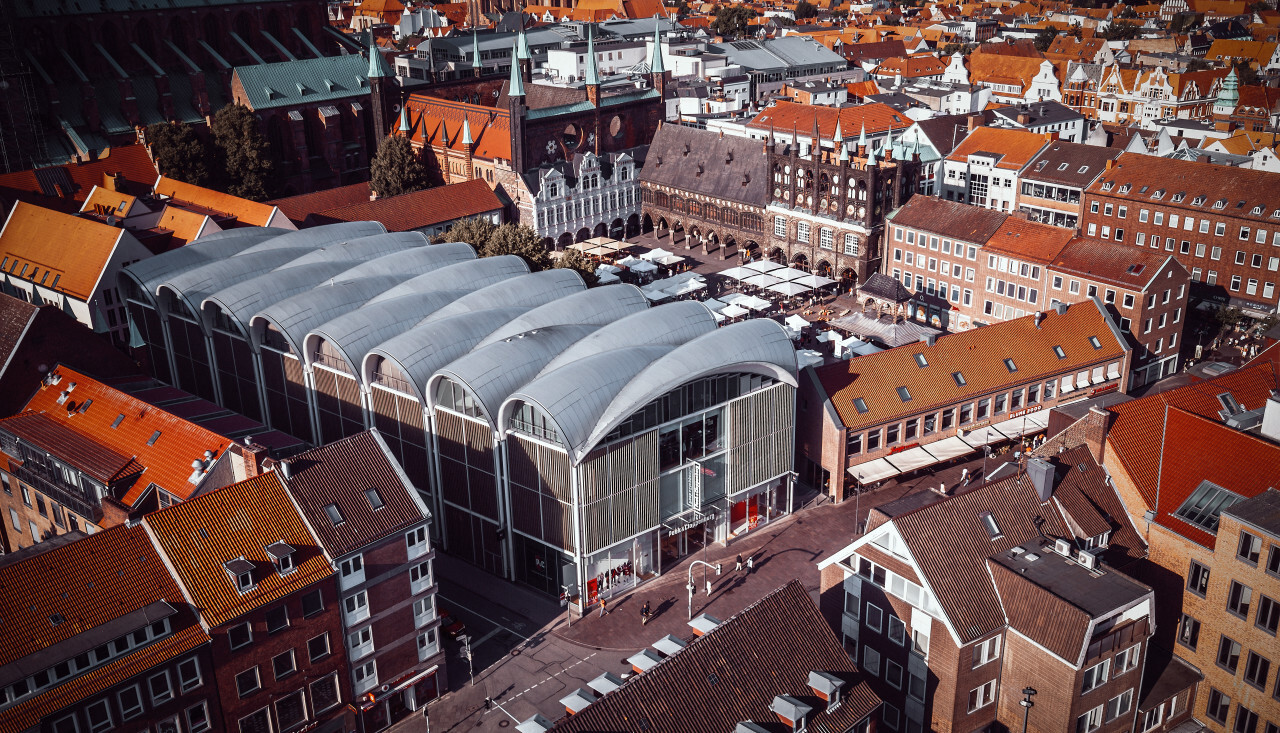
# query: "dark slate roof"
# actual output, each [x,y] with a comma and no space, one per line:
[700,161]
[1039,113]
[324,476]
[1262,511]
[732,674]
[542,96]
[950,219]
[945,131]
[1164,676]
[880,285]
[1083,163]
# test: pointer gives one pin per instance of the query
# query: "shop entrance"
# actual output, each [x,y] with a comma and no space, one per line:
[681,538]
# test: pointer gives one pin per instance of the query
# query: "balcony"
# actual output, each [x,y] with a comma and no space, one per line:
[51,484]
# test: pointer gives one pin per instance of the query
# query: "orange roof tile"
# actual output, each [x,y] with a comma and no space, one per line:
[432,119]
[112,203]
[1126,266]
[132,161]
[244,210]
[68,252]
[1000,68]
[185,225]
[200,535]
[419,209]
[1016,148]
[1029,240]
[978,354]
[788,115]
[166,462]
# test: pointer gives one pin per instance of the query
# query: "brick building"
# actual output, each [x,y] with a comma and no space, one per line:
[1222,223]
[1018,597]
[869,418]
[1052,186]
[985,170]
[117,648]
[376,533]
[1194,466]
[265,590]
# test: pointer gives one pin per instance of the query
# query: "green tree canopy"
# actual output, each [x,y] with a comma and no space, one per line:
[573,259]
[396,168]
[806,9]
[1121,31]
[1045,37]
[733,20]
[179,152]
[474,231]
[519,240]
[245,156]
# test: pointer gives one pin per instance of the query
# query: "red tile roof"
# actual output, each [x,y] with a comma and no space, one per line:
[952,219]
[166,462]
[978,354]
[1242,189]
[69,250]
[199,536]
[431,120]
[1029,240]
[132,161]
[1015,148]
[1126,266]
[298,207]
[787,115]
[243,211]
[419,209]
[81,451]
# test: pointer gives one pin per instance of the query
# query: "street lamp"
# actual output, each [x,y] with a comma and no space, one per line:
[1026,704]
[690,587]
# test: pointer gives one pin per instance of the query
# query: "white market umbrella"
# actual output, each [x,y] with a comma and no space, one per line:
[734,311]
[788,273]
[796,322]
[815,281]
[654,255]
[762,280]
[788,289]
[764,265]
[738,273]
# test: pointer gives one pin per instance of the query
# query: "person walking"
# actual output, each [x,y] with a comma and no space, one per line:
[751,562]
[644,614]
[603,610]
[739,565]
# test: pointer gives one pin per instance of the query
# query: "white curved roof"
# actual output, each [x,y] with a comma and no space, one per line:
[494,370]
[152,271]
[588,397]
[671,324]
[321,236]
[529,291]
[356,332]
[596,306]
[412,262]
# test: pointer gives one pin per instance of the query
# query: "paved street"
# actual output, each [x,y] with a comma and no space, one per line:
[527,657]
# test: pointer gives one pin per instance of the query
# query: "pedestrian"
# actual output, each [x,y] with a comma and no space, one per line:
[751,562]
[942,488]
[644,614]
[739,565]
[603,611]
[964,474]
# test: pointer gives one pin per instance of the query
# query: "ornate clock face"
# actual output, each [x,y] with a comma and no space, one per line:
[862,211]
[849,209]
[551,147]
[591,140]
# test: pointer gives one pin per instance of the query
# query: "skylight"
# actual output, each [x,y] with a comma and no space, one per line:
[1204,507]
[335,514]
[375,499]
[904,394]
[1008,364]
[154,437]
[119,419]
[989,524]
[959,379]
[921,361]
[1094,342]
[1057,350]
[860,405]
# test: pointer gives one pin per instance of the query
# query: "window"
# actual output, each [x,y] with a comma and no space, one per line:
[1238,599]
[1119,705]
[870,660]
[318,647]
[356,607]
[361,642]
[334,514]
[197,718]
[1153,717]
[99,715]
[257,722]
[989,524]
[324,694]
[891,716]
[426,645]
[1228,654]
[897,630]
[277,619]
[1256,669]
[1273,560]
[247,682]
[352,570]
[283,665]
[159,688]
[312,603]
[1249,548]
[983,696]
[875,617]
[1189,632]
[986,651]
[416,542]
[420,577]
[1217,706]
[1096,675]
[1198,579]
[130,699]
[365,676]
[802,232]
[291,710]
[1090,721]
[374,498]
[893,674]
[916,687]
[189,674]
[1127,659]
[238,636]
[1246,720]
[1268,615]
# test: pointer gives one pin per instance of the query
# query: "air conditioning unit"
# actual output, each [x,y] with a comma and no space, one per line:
[1062,547]
[1087,559]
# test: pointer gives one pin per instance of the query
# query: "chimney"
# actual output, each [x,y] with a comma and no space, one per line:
[1039,318]
[1043,477]
[929,339]
[1097,423]
[247,459]
[1271,417]
[1111,163]
[1023,118]
[975,121]
[1060,308]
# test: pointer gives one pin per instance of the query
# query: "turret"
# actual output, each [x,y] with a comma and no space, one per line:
[657,68]
[380,78]
[516,109]
[862,141]
[524,56]
[477,68]
[592,76]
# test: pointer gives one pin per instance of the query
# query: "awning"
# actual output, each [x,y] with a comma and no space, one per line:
[1113,371]
[1068,384]
[1041,418]
[948,448]
[912,459]
[984,436]
[872,471]
[1018,426]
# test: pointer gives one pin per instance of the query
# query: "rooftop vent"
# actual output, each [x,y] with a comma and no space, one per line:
[704,624]
[1043,477]
[536,724]
[1062,547]
[577,701]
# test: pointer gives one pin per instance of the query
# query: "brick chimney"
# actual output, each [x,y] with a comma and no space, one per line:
[975,121]
[1097,424]
[247,459]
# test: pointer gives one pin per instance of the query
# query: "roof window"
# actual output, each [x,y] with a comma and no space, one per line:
[335,514]
[1058,352]
[1143,189]
[282,555]
[1179,196]
[1198,201]
[1204,507]
[375,499]
[1012,367]
[1126,188]
[119,419]
[1257,211]
[154,437]
[921,361]
[989,524]
[904,394]
[1220,204]
[1095,343]
[1083,169]
[1159,194]
[860,405]
[959,379]
[241,572]
[1063,166]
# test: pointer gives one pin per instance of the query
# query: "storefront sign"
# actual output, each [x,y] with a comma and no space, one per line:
[1025,411]
[1114,386]
[900,448]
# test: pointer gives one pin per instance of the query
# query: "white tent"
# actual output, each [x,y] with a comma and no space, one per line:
[688,286]
[642,266]
[715,305]
[738,273]
[606,278]
[628,261]
[788,289]
[788,273]
[764,266]
[815,281]
[669,260]
[655,255]
[796,322]
[733,311]
[762,280]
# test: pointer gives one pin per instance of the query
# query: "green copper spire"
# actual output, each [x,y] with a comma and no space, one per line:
[522,48]
[1229,94]
[516,87]
[862,136]
[378,67]
[871,156]
[404,120]
[466,131]
[593,74]
[838,137]
[655,65]
[475,49]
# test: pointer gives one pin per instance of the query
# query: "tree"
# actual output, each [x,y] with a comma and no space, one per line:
[805,9]
[519,240]
[1121,31]
[396,168]
[572,259]
[179,152]
[733,20]
[474,231]
[1045,37]
[964,49]
[1198,65]
[243,152]
[682,8]
[1247,75]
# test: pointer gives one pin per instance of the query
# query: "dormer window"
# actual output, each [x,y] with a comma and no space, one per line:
[1198,201]
[1220,204]
[1178,197]
[1257,211]
[1108,186]
[241,572]
[826,686]
[282,555]
[1125,188]
[1158,195]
